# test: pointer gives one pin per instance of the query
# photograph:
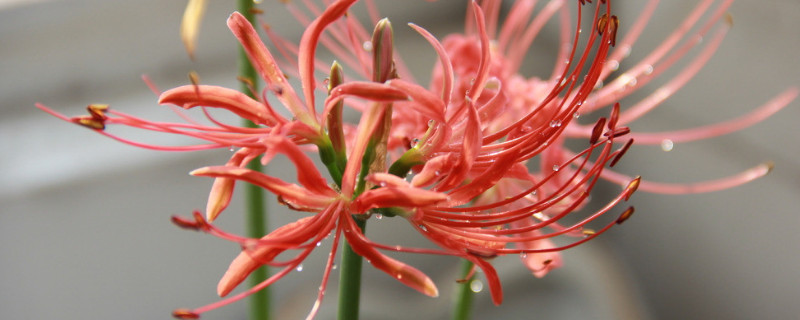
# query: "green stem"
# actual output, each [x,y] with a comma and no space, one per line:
[350,280]
[463,303]
[254,195]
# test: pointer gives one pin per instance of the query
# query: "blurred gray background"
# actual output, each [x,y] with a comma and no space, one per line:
[84,220]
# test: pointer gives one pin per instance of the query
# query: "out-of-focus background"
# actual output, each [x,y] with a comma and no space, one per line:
[84,220]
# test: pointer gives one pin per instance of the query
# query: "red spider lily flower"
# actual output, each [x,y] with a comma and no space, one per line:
[452,159]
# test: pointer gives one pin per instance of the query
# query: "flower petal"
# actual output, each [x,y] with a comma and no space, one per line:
[404,273]
[191,96]
[292,194]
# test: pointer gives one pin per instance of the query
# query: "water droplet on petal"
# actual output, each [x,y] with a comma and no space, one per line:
[476,285]
[423,228]
[378,216]
[556,167]
[667,145]
[555,123]
[576,115]
[367,46]
[648,69]
[334,267]
[319,243]
[613,65]
[231,149]
[523,255]
[299,267]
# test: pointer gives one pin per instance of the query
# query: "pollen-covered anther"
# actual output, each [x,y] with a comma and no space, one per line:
[185,314]
[589,232]
[97,111]
[90,122]
[185,223]
[612,119]
[625,215]
[608,23]
[632,186]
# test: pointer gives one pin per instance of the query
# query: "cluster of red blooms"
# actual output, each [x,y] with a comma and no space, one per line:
[451,158]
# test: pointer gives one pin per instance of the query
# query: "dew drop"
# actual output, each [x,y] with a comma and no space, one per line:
[299,267]
[437,173]
[613,65]
[379,216]
[648,69]
[476,285]
[576,115]
[334,266]
[231,149]
[319,243]
[423,228]
[556,167]
[555,123]
[399,276]
[698,39]
[667,145]
[367,46]
[523,255]
[598,85]
[626,51]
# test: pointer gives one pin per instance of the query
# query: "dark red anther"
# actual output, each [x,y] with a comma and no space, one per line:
[612,119]
[597,131]
[185,314]
[618,132]
[185,223]
[621,153]
[625,215]
[97,111]
[608,23]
